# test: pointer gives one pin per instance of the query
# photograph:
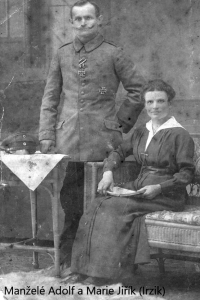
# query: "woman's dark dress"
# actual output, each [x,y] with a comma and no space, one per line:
[112,234]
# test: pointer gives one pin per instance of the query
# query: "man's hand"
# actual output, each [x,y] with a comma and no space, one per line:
[46,146]
[150,191]
[106,183]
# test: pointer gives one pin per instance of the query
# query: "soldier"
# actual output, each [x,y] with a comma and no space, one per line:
[78,113]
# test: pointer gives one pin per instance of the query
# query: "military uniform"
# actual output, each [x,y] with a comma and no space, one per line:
[78,109]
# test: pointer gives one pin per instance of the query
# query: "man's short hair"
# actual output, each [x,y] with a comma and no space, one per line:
[158,85]
[84,2]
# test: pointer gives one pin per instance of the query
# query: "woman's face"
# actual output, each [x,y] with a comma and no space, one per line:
[157,104]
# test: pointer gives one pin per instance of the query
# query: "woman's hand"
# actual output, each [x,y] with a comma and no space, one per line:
[150,191]
[106,183]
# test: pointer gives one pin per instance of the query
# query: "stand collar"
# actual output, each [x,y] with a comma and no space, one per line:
[89,46]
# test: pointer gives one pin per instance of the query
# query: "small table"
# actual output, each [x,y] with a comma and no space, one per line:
[50,184]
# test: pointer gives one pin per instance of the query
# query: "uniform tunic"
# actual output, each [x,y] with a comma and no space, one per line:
[112,234]
[78,107]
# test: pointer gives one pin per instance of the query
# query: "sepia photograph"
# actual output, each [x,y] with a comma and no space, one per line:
[100,149]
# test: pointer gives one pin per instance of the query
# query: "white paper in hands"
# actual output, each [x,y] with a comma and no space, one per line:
[118,191]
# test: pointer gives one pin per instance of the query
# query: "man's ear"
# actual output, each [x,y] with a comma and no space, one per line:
[100,20]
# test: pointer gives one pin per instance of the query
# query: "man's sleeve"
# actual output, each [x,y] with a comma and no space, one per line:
[132,82]
[50,101]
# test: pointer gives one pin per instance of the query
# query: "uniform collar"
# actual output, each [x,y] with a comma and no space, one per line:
[89,46]
[170,123]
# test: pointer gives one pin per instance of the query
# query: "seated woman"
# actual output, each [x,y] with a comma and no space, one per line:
[112,238]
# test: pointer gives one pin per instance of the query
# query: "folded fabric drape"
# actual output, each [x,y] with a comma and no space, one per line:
[31,169]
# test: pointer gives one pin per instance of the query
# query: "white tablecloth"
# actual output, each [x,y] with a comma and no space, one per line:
[31,169]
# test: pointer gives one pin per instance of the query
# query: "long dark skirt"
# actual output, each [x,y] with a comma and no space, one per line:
[112,236]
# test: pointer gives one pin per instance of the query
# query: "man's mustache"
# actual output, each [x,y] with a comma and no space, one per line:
[86,27]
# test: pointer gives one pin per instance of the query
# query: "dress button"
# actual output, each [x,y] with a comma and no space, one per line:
[24,136]
[83,83]
[81,109]
[82,93]
[82,100]
[24,144]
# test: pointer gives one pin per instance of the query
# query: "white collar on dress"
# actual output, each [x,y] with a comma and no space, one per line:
[170,123]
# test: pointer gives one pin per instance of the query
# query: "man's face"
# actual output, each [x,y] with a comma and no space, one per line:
[85,22]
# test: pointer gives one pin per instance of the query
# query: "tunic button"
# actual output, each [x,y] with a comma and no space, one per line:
[24,144]
[82,100]
[81,109]
[83,84]
[82,93]
[24,136]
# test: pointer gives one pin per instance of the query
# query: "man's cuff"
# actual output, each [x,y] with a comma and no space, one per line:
[47,135]
[125,127]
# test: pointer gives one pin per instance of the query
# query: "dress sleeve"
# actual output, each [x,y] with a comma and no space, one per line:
[118,156]
[132,82]
[184,159]
[50,101]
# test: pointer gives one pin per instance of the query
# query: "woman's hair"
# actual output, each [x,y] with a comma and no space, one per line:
[158,85]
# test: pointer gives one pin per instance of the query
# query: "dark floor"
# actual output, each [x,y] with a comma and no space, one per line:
[181,281]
